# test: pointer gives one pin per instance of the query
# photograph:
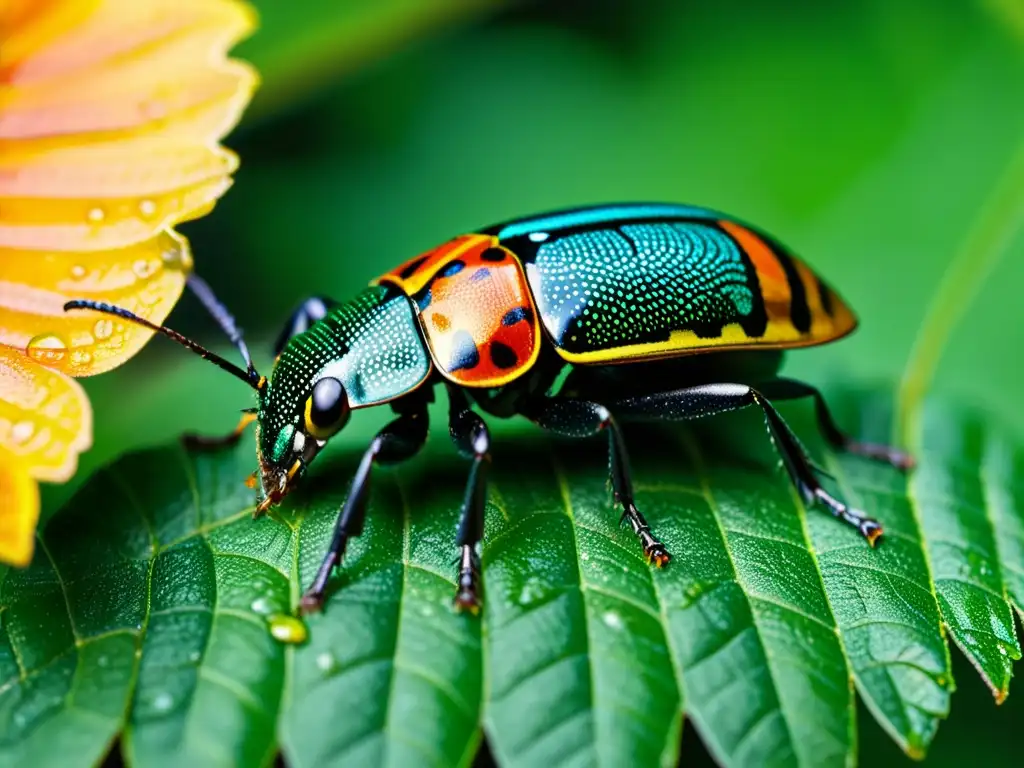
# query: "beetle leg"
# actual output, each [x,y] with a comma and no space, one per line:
[709,399]
[305,315]
[473,441]
[790,389]
[398,441]
[580,418]
[207,442]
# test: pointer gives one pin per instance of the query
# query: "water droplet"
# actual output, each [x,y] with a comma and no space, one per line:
[163,702]
[144,268]
[532,591]
[47,348]
[96,215]
[538,237]
[103,328]
[261,605]
[81,357]
[1002,650]
[195,656]
[147,208]
[22,431]
[326,662]
[612,620]
[103,661]
[78,271]
[427,609]
[288,629]
[584,556]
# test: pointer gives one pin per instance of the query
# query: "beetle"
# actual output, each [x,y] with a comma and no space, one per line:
[575,319]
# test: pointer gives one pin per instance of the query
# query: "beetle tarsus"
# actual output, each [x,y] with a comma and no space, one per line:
[655,552]
[311,602]
[467,596]
[868,527]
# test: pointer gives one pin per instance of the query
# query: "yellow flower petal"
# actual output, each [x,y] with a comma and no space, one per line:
[45,419]
[19,511]
[146,278]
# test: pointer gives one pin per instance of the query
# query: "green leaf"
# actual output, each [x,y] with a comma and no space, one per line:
[146,614]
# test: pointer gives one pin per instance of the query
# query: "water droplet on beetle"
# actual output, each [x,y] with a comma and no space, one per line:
[147,208]
[96,215]
[103,329]
[288,629]
[538,237]
[47,348]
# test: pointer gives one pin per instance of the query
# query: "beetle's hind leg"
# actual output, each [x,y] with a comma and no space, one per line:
[790,389]
[709,399]
[580,418]
[473,441]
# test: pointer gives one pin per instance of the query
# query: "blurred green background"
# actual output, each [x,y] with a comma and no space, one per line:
[872,136]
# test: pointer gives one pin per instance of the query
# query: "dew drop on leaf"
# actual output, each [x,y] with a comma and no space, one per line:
[261,605]
[163,702]
[47,348]
[288,629]
[612,620]
[532,591]
[326,662]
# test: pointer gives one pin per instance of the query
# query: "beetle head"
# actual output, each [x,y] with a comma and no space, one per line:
[296,419]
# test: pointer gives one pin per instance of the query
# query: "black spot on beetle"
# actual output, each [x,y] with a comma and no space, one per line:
[423,299]
[503,356]
[464,352]
[516,315]
[410,269]
[453,269]
[493,254]
[481,274]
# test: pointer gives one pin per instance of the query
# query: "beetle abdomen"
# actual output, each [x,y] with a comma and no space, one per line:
[645,284]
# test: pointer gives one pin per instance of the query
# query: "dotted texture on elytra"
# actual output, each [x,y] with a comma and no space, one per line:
[371,344]
[637,284]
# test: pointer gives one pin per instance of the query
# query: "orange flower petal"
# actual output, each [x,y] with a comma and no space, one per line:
[146,278]
[19,511]
[45,419]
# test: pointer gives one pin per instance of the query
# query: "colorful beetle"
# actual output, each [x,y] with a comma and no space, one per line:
[573,319]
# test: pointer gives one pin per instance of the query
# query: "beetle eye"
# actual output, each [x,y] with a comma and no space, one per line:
[326,408]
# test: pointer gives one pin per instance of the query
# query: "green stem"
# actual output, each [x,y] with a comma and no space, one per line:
[988,239]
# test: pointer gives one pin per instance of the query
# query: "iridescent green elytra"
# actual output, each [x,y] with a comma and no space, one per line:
[575,320]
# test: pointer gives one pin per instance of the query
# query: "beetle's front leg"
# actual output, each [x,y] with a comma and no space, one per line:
[398,441]
[472,440]
[580,418]
[208,442]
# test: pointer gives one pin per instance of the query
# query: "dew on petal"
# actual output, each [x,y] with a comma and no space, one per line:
[147,208]
[96,215]
[47,348]
[81,357]
[22,431]
[143,268]
[103,329]
[78,271]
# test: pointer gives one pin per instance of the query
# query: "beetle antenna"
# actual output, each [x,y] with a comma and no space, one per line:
[225,320]
[250,376]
